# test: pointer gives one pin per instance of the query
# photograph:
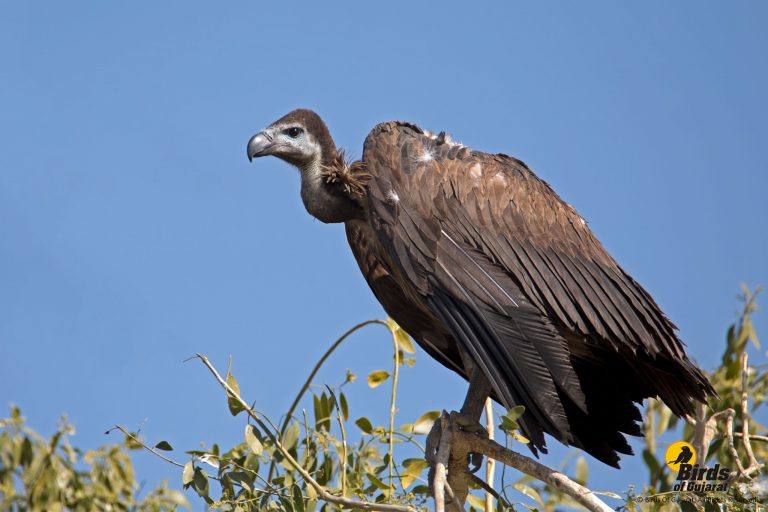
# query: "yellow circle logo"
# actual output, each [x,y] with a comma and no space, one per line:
[680,453]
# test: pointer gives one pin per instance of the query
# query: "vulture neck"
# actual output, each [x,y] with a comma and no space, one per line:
[323,200]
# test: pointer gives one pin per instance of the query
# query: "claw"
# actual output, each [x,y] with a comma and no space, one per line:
[467,424]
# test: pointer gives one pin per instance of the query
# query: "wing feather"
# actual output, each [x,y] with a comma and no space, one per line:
[517,279]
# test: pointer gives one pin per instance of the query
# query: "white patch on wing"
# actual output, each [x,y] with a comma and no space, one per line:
[501,178]
[392,197]
[427,155]
[476,171]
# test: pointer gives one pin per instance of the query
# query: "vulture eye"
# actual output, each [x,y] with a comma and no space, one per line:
[293,132]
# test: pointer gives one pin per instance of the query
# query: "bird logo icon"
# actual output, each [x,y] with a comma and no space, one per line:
[679,453]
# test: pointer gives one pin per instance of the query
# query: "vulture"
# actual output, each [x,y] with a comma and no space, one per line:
[496,277]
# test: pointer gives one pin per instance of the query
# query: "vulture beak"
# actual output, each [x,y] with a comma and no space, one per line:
[259,145]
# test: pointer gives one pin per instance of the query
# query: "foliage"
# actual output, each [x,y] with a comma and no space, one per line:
[660,423]
[50,474]
[353,457]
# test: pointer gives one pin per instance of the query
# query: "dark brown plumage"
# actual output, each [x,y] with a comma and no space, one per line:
[501,281]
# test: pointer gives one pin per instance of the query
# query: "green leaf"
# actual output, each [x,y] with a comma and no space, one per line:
[377,482]
[188,474]
[665,414]
[242,479]
[252,440]
[311,492]
[515,412]
[404,341]
[422,425]
[27,453]
[326,408]
[130,441]
[530,492]
[344,406]
[652,463]
[401,337]
[509,420]
[609,494]
[364,424]
[508,425]
[413,468]
[581,470]
[519,438]
[200,482]
[476,501]
[298,498]
[164,445]
[291,437]
[375,379]
[750,328]
[318,409]
[235,407]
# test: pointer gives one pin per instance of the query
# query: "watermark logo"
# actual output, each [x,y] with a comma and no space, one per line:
[681,457]
[680,453]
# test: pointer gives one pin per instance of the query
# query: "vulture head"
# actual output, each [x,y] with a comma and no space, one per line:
[299,138]
[331,187]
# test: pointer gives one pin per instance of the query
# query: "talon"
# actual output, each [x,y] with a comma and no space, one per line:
[470,424]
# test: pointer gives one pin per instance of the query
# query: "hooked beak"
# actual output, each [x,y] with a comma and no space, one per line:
[259,145]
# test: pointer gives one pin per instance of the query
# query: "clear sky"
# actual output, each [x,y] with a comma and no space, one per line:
[134,232]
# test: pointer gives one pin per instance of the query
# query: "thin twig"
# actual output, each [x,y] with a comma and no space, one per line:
[762,439]
[728,433]
[327,354]
[526,465]
[754,465]
[487,488]
[392,413]
[490,464]
[322,492]
[146,446]
[151,449]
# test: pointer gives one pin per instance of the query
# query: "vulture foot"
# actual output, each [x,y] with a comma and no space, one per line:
[460,460]
[469,423]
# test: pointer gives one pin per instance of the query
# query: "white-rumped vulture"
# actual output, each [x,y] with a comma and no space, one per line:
[497,278]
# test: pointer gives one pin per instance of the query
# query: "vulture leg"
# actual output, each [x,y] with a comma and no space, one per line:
[469,417]
[468,420]
[474,403]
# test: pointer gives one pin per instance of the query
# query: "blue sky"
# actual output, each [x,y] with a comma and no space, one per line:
[134,232]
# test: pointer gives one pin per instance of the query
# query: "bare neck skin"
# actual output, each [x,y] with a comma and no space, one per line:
[320,199]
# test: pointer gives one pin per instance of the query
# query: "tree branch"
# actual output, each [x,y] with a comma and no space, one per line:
[392,411]
[535,469]
[455,444]
[753,466]
[490,464]
[144,445]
